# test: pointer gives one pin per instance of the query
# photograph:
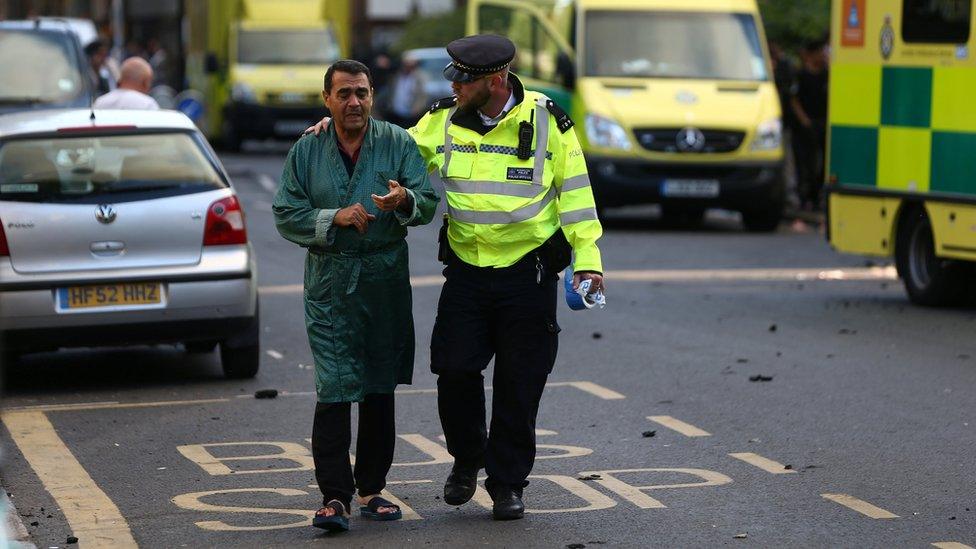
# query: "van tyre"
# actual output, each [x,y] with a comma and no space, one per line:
[230,139]
[929,280]
[762,221]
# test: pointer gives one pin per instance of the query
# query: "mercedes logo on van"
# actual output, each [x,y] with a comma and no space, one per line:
[690,140]
[105,213]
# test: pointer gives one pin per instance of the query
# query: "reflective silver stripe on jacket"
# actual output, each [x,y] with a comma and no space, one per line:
[447,142]
[502,218]
[541,139]
[575,216]
[576,182]
[465,186]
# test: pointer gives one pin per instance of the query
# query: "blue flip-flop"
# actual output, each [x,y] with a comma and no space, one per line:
[337,522]
[372,510]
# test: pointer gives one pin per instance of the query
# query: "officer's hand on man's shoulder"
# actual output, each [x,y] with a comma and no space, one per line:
[318,127]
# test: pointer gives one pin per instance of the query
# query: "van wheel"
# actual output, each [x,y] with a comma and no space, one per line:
[762,221]
[230,139]
[929,280]
[199,347]
[240,362]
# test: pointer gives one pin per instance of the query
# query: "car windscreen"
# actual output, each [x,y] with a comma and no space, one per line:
[287,47]
[38,66]
[695,44]
[94,169]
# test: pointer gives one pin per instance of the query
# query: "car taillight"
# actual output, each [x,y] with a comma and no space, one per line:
[225,223]
[4,250]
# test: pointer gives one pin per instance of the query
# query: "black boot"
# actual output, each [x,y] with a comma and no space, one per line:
[461,485]
[507,504]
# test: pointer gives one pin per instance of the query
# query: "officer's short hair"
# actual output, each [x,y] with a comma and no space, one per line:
[349,66]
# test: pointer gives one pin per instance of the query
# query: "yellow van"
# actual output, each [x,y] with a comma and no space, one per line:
[902,137]
[673,99]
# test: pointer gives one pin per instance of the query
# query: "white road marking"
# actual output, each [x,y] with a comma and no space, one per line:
[765,464]
[951,545]
[268,183]
[590,387]
[684,275]
[275,354]
[860,506]
[685,429]
[91,515]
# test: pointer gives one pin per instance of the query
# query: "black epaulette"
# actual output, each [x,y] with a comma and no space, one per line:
[444,103]
[563,121]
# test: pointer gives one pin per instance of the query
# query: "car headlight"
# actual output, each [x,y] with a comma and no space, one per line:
[769,135]
[603,132]
[243,93]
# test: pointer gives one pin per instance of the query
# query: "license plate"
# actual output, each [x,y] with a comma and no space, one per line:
[110,295]
[290,127]
[693,188]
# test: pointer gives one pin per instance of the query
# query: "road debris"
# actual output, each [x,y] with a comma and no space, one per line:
[648,434]
[266,393]
[772,328]
[590,477]
[760,377]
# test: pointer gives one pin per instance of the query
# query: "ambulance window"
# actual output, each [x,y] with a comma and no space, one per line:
[936,21]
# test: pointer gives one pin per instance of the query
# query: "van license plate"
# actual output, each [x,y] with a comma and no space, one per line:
[690,188]
[109,295]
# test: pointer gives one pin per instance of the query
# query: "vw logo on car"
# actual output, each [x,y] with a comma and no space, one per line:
[105,213]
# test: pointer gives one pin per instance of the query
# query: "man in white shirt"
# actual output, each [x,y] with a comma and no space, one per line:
[134,85]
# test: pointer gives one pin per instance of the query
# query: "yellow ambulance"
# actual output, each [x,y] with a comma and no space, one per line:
[673,100]
[902,142]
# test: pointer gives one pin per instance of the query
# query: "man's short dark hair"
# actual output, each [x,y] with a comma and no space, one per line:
[349,66]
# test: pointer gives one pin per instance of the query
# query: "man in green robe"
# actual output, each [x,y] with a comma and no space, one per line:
[347,196]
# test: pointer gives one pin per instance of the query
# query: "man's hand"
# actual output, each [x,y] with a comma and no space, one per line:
[318,127]
[396,198]
[354,216]
[596,280]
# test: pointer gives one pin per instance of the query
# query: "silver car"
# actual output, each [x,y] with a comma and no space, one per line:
[118,230]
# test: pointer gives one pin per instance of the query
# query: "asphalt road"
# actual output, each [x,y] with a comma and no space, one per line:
[652,433]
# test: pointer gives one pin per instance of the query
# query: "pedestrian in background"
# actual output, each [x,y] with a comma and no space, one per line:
[97,52]
[809,102]
[408,99]
[348,195]
[135,81]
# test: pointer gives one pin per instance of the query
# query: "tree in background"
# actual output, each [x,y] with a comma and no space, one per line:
[793,23]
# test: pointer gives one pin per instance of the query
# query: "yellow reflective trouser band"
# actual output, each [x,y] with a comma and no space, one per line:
[575,216]
[576,182]
[464,186]
[541,140]
[501,218]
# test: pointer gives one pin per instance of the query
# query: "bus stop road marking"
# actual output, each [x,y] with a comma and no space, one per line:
[92,516]
[860,506]
[951,545]
[765,464]
[685,429]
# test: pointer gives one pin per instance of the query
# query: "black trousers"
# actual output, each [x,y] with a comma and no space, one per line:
[510,315]
[331,438]
[809,151]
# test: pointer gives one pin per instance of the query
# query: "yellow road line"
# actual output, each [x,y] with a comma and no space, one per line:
[682,275]
[685,429]
[92,516]
[860,506]
[951,545]
[765,464]
[590,387]
[585,386]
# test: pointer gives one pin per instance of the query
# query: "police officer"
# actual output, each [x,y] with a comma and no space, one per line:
[519,201]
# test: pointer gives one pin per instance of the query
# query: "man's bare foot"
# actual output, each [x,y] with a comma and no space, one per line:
[366,499]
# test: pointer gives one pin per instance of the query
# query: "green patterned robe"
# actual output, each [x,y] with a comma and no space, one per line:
[357,287]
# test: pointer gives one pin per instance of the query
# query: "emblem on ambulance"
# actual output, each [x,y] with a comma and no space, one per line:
[887,38]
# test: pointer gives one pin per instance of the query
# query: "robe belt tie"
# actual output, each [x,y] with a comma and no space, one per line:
[354,260]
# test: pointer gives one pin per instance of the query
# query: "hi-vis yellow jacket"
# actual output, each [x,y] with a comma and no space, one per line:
[501,207]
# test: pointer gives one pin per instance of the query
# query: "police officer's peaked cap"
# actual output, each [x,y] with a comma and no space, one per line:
[478,55]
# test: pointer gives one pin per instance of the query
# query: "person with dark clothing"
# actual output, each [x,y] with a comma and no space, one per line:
[809,105]
[97,51]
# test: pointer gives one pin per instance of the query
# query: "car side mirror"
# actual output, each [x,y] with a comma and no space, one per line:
[210,63]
